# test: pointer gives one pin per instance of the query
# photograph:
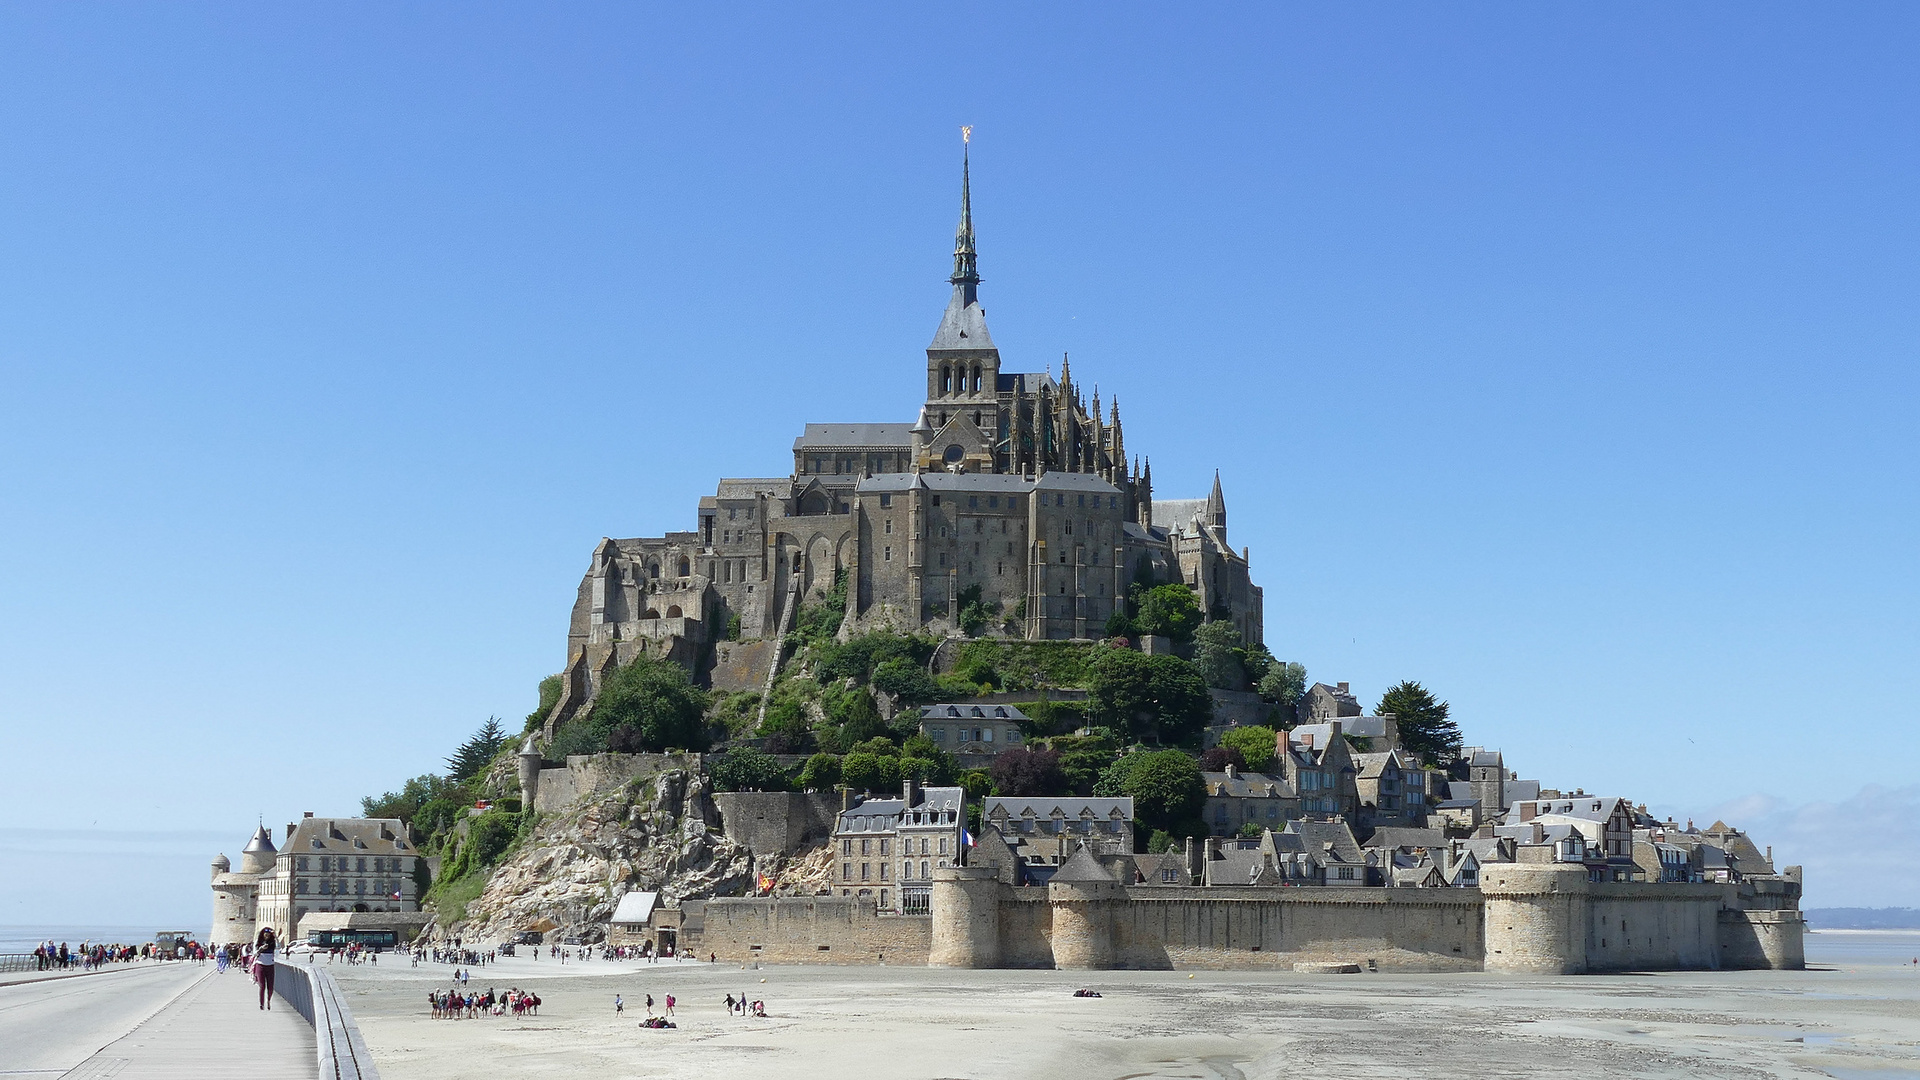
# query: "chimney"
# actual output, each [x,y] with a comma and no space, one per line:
[1343,688]
[306,813]
[908,791]
[1539,832]
[1527,810]
[1231,771]
[846,799]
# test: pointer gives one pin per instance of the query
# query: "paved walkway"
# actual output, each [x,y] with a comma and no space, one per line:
[213,1030]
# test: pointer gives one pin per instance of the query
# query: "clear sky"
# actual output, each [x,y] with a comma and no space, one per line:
[1559,357]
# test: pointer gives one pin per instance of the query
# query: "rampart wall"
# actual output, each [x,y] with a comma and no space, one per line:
[804,930]
[587,775]
[777,822]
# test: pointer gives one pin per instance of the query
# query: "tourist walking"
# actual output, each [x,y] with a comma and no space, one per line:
[619,1006]
[669,1004]
[264,947]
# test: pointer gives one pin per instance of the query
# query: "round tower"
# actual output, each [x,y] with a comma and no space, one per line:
[529,773]
[258,856]
[1083,896]
[966,918]
[221,865]
[1536,917]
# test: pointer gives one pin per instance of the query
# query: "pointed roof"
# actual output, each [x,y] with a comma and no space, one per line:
[964,326]
[261,844]
[1216,503]
[1082,866]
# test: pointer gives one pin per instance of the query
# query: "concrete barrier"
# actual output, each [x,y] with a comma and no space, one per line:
[342,1053]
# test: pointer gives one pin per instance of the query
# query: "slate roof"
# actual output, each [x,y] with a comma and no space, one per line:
[1082,866]
[1245,785]
[971,712]
[1317,835]
[636,907]
[963,326]
[778,487]
[1365,727]
[261,844]
[349,836]
[1395,837]
[1178,513]
[855,436]
[1043,806]
[1370,766]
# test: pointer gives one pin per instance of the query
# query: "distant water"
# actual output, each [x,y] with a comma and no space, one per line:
[17,939]
[1863,948]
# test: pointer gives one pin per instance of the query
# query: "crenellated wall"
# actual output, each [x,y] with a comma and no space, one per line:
[1526,918]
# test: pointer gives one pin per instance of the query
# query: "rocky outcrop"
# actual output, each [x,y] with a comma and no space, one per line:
[660,833]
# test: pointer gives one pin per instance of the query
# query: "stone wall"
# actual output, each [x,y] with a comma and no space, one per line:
[777,822]
[1634,927]
[1392,929]
[741,665]
[586,775]
[803,930]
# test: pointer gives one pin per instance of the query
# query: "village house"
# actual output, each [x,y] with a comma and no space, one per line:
[888,849]
[1315,760]
[1237,799]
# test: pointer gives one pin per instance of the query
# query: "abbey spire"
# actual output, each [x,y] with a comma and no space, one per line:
[966,268]
[964,326]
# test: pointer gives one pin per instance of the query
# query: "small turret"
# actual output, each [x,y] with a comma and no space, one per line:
[221,865]
[258,856]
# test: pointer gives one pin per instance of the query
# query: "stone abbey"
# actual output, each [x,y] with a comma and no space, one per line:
[1010,490]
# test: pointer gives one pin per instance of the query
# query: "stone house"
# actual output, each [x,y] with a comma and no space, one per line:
[888,849]
[1391,788]
[1315,760]
[1042,833]
[1322,703]
[1236,799]
[973,734]
[350,865]
[1604,821]
[1330,844]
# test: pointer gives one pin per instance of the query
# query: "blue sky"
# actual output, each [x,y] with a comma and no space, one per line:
[1560,358]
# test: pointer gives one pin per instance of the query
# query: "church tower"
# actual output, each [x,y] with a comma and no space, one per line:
[963,366]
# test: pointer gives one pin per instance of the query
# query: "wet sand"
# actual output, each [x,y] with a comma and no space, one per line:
[1855,1016]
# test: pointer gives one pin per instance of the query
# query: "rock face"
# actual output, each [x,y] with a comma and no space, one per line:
[659,833]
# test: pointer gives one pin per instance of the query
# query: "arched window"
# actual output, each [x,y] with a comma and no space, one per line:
[653,569]
[976,378]
[650,613]
[685,567]
[673,611]
[946,379]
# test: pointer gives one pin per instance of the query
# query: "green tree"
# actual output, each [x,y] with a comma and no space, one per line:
[1425,727]
[1255,743]
[550,688]
[820,773]
[1166,788]
[1181,703]
[1216,652]
[655,702]
[857,715]
[1170,611]
[406,804]
[1283,684]
[866,771]
[1083,759]
[473,755]
[907,680]
[743,768]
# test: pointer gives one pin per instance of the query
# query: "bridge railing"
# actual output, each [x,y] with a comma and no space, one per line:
[316,997]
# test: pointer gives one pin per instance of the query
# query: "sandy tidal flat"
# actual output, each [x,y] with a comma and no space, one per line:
[1856,1016]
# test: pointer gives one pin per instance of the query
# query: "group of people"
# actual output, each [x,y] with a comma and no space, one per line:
[746,1008]
[89,956]
[455,1004]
